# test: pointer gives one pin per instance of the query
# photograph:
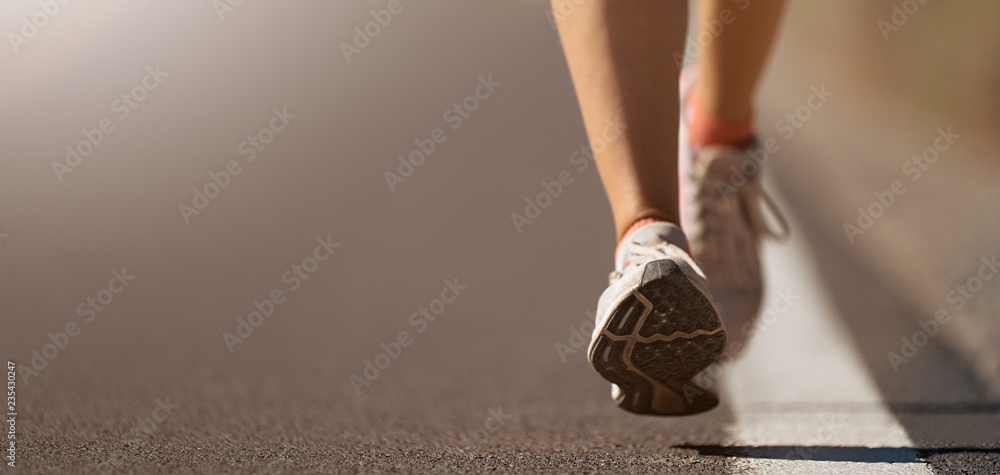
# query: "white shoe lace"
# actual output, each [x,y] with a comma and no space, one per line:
[733,223]
[639,254]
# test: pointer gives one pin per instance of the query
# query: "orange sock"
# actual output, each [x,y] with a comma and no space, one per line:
[648,232]
[636,225]
[704,129]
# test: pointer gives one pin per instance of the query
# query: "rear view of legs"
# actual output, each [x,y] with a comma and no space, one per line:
[657,325]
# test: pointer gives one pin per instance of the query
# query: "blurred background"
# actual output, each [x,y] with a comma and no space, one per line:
[181,89]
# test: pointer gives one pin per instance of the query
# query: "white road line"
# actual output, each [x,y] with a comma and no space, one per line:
[805,358]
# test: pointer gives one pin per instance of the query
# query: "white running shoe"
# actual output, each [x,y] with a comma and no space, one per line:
[722,203]
[657,327]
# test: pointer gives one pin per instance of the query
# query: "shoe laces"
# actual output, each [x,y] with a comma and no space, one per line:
[733,223]
[639,254]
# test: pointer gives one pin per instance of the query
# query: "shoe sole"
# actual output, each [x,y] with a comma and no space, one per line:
[656,340]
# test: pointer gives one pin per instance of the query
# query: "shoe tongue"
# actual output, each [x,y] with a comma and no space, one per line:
[650,235]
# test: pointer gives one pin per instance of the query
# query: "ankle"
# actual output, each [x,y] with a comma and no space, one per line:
[648,232]
[708,129]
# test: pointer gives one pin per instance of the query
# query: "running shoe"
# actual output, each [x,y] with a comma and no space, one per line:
[656,326]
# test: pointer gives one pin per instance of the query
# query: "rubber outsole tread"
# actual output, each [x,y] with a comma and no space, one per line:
[656,340]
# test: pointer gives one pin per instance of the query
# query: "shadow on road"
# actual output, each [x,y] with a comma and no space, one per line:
[935,395]
[828,453]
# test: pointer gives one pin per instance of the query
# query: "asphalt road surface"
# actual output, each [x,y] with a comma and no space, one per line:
[239,275]
[814,394]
